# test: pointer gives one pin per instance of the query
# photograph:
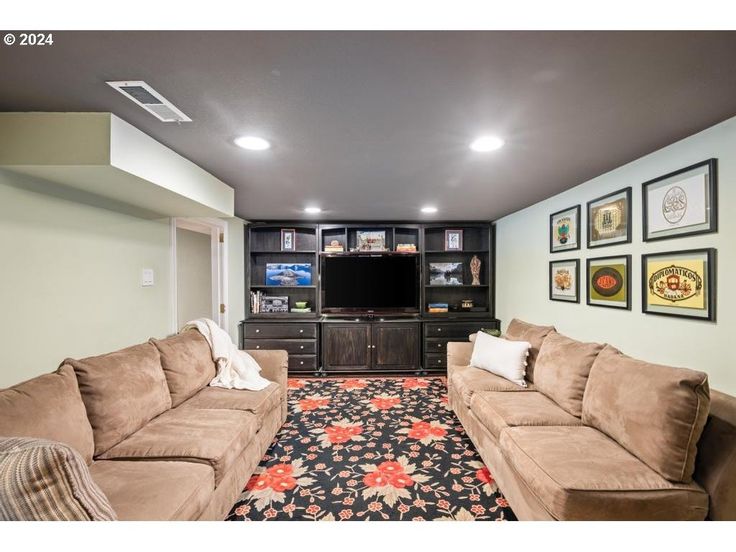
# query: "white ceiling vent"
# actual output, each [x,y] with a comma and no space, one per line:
[150,100]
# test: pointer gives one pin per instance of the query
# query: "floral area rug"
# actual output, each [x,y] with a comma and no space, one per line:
[371,449]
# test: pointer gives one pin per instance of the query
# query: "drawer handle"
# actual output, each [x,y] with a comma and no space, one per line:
[439,329]
[301,346]
[301,362]
[439,345]
[258,331]
[439,361]
[258,346]
[301,331]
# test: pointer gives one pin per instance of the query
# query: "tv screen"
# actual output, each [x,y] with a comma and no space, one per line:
[370,283]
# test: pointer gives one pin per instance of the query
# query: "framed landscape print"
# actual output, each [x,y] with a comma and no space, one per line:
[296,274]
[609,282]
[681,203]
[288,240]
[609,219]
[564,279]
[453,240]
[680,283]
[564,230]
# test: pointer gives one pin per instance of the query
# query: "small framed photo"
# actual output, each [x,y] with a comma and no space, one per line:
[288,239]
[453,240]
[371,240]
[564,279]
[680,283]
[609,219]
[609,282]
[564,230]
[681,203]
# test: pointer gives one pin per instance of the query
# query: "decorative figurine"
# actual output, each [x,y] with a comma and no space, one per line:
[475,270]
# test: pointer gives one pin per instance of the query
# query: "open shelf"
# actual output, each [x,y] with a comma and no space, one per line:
[259,286]
[311,252]
[480,286]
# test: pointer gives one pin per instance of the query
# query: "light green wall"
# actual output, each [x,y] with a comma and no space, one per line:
[70,278]
[522,256]
[193,276]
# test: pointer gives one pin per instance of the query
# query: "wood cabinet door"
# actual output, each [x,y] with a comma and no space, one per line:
[395,346]
[346,346]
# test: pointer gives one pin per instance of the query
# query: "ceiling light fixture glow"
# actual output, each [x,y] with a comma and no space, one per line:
[253,143]
[312,210]
[487,143]
[429,210]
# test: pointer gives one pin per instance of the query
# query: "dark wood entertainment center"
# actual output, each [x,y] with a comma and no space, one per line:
[326,344]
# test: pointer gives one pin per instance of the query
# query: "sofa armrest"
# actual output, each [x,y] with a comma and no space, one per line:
[274,367]
[459,353]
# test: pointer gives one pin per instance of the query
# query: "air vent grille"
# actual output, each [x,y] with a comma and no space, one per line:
[145,96]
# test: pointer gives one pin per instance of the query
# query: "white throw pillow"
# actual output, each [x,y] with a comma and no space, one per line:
[501,357]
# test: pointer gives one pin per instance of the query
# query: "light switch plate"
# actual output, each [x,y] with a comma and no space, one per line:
[147,277]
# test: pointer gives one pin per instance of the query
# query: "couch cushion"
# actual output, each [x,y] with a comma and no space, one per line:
[42,480]
[187,362]
[655,412]
[562,368]
[122,391]
[213,437]
[48,407]
[519,330]
[259,403]
[155,491]
[499,410]
[578,473]
[468,380]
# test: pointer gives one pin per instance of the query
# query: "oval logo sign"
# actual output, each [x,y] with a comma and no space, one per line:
[607,281]
[675,283]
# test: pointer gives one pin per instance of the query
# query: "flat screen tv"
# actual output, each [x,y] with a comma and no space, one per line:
[370,284]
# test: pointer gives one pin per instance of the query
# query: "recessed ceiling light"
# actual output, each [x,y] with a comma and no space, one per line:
[429,209]
[312,210]
[252,143]
[487,143]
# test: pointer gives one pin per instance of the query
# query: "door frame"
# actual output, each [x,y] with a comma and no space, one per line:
[217,230]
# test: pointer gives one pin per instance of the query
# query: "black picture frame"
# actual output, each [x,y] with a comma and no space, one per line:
[577,280]
[459,233]
[712,165]
[288,232]
[627,281]
[710,255]
[576,209]
[589,222]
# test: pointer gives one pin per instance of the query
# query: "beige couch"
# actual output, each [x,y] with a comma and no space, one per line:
[597,435]
[157,440]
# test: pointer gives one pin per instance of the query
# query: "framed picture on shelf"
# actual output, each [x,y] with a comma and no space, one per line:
[609,219]
[609,282]
[288,239]
[564,230]
[371,240]
[274,304]
[681,203]
[680,283]
[296,274]
[564,279]
[445,274]
[453,240]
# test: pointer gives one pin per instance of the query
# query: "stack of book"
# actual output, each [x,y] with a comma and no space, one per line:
[437,307]
[255,302]
[306,309]
[406,247]
[334,249]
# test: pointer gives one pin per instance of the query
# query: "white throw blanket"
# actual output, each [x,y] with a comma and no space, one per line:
[236,369]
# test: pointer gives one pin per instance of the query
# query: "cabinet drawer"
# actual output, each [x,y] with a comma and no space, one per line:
[292,346]
[302,362]
[280,331]
[435,360]
[434,345]
[456,330]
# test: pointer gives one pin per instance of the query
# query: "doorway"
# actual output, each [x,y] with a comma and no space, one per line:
[199,271]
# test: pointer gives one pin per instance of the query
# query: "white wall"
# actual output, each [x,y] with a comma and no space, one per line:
[236,274]
[522,257]
[193,276]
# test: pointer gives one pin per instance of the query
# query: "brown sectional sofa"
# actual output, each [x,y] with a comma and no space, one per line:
[597,435]
[157,441]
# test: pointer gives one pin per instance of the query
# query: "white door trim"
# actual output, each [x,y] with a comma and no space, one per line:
[219,263]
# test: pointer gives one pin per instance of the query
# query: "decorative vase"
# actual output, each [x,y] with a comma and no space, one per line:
[475,270]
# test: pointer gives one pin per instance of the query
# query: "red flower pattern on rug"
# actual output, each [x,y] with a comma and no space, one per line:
[371,449]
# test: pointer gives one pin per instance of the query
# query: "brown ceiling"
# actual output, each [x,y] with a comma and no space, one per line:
[373,125]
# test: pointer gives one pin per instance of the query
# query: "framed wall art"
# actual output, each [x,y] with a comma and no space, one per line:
[564,277]
[564,230]
[371,240]
[609,282]
[295,274]
[453,240]
[681,203]
[288,239]
[609,219]
[680,283]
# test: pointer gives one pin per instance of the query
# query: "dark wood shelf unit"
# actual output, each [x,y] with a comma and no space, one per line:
[345,344]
